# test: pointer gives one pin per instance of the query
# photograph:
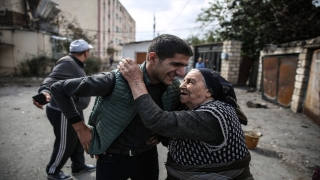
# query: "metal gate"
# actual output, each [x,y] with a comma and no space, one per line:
[210,54]
[278,78]
[312,102]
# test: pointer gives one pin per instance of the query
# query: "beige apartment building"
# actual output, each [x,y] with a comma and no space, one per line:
[106,20]
[31,27]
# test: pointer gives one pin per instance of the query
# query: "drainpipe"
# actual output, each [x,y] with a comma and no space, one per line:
[30,24]
[13,53]
[98,37]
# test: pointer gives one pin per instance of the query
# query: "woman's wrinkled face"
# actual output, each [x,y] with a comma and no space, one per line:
[193,90]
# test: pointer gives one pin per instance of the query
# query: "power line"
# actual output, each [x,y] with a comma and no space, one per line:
[179,13]
[128,32]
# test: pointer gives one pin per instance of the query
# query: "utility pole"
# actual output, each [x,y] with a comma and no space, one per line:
[154,24]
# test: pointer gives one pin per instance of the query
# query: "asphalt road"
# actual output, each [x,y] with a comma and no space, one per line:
[288,149]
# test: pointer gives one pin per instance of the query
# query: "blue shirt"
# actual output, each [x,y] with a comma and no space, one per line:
[200,65]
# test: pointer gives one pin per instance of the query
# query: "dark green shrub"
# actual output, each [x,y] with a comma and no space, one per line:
[37,65]
[93,65]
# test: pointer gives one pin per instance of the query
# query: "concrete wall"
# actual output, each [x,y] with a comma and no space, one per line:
[230,66]
[129,50]
[24,44]
[13,5]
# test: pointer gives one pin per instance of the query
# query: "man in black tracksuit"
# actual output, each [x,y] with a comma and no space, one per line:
[67,144]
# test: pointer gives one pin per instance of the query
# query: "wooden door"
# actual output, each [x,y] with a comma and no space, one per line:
[270,77]
[141,57]
[287,74]
[312,102]
[279,78]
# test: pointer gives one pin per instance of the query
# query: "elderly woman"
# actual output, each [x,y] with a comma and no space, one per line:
[206,138]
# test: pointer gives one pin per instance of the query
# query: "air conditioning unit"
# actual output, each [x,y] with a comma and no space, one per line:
[47,9]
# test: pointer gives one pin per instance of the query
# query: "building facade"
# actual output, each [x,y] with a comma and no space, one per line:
[107,21]
[25,30]
[34,27]
[136,50]
[289,76]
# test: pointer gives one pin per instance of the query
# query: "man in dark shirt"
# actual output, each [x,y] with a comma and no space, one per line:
[67,144]
[116,135]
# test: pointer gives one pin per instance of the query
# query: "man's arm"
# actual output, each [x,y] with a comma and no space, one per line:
[62,91]
[62,70]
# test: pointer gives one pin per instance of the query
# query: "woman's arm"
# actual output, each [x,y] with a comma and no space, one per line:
[133,74]
[194,125]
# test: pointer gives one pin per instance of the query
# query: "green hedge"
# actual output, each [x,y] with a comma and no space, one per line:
[92,65]
[36,66]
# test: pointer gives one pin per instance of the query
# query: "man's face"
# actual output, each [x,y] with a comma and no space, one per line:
[193,91]
[86,55]
[165,71]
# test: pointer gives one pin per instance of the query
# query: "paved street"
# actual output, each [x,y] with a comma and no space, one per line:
[288,149]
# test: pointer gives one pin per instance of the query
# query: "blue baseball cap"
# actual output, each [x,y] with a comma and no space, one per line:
[79,46]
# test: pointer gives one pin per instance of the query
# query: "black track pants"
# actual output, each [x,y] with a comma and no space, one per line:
[66,143]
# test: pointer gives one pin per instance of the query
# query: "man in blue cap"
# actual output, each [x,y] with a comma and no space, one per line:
[67,144]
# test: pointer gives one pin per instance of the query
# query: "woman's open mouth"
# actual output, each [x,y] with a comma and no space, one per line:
[183,93]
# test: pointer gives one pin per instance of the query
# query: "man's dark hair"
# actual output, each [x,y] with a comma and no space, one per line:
[78,53]
[166,46]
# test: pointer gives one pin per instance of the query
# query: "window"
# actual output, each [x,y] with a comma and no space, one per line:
[120,19]
[109,2]
[117,29]
[116,41]
[108,16]
[104,6]
[116,16]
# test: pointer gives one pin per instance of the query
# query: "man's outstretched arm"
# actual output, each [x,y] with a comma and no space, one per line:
[62,91]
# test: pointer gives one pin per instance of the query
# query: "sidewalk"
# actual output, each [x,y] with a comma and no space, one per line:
[288,149]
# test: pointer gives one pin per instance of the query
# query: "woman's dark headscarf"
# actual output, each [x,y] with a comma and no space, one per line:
[222,90]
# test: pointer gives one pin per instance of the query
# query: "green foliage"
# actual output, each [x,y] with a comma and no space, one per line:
[208,38]
[194,40]
[42,65]
[111,50]
[71,28]
[36,65]
[260,22]
[93,65]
